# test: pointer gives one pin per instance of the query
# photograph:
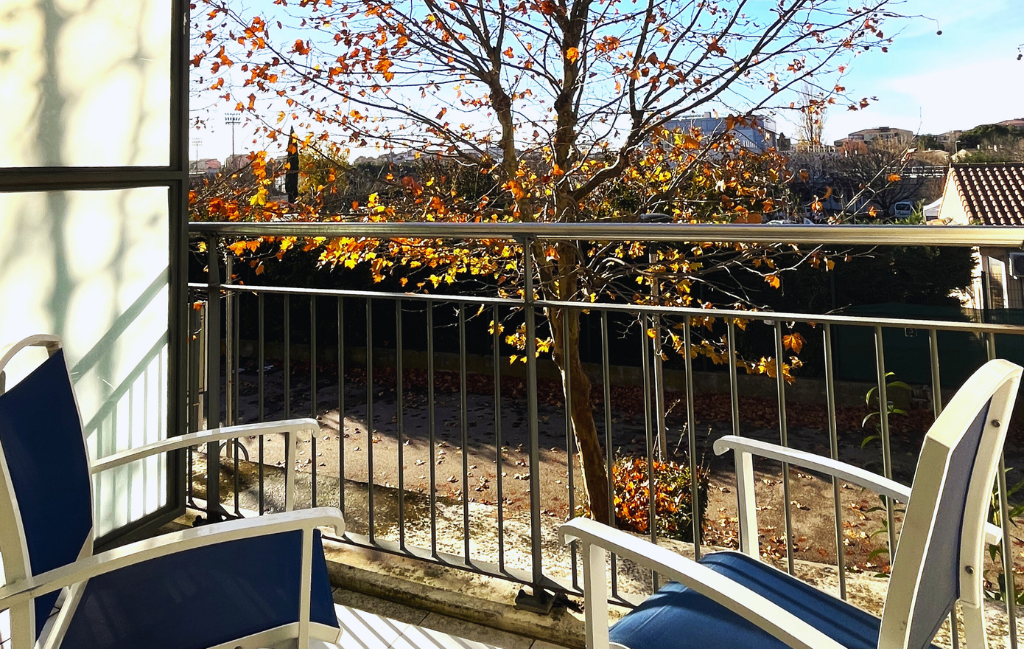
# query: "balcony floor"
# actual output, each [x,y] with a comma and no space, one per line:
[370,623]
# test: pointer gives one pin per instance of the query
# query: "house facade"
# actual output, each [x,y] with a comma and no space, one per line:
[989,194]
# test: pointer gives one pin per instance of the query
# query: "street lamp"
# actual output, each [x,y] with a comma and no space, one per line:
[232,119]
[196,142]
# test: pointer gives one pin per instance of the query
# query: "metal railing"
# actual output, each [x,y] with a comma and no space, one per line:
[541,566]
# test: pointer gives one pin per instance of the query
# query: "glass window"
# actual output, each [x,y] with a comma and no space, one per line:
[84,83]
[92,266]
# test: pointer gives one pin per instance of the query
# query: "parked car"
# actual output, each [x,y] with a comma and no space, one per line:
[902,209]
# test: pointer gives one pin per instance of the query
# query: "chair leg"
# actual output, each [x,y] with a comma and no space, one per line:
[595,593]
[747,505]
[974,626]
[23,625]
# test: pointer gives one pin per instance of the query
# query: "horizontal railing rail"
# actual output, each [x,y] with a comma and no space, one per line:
[870,235]
[650,309]
[542,564]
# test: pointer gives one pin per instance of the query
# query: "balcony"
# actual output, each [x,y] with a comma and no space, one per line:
[471,464]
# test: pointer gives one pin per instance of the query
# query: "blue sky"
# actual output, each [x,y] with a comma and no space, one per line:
[967,76]
[928,83]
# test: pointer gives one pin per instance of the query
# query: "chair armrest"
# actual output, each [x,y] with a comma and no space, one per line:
[858,476]
[308,519]
[739,599]
[847,472]
[289,429]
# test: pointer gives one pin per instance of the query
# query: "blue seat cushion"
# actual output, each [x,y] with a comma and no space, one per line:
[202,597]
[677,617]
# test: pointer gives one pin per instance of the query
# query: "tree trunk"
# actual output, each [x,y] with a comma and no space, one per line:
[592,458]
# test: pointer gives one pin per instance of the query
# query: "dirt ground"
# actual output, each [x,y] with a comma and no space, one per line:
[488,482]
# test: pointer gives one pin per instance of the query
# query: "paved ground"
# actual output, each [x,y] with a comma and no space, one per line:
[812,503]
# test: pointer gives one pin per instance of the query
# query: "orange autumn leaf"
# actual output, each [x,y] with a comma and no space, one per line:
[573,54]
[773,280]
[894,178]
[794,342]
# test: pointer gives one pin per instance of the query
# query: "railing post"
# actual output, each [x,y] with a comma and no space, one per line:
[229,345]
[213,508]
[540,601]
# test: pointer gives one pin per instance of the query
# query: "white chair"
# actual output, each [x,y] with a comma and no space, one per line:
[729,600]
[257,582]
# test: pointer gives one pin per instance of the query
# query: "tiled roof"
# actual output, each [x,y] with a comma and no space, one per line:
[993,194]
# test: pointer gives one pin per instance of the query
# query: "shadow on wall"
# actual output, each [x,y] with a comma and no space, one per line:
[90,87]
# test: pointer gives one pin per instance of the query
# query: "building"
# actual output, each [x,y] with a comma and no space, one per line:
[948,139]
[204,167]
[990,194]
[1013,123]
[758,133]
[880,134]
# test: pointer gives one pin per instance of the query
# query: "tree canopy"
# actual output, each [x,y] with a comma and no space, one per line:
[560,111]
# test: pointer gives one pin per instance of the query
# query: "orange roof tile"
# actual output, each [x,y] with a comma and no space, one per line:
[992,193]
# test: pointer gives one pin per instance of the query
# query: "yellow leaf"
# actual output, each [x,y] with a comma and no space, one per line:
[572,54]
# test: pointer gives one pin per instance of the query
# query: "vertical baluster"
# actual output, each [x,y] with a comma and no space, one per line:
[464,428]
[498,441]
[213,420]
[883,414]
[399,409]
[369,420]
[341,403]
[833,439]
[312,395]
[780,386]
[536,549]
[691,436]
[431,433]
[652,487]
[933,358]
[287,357]
[569,445]
[734,389]
[235,368]
[609,449]
[260,386]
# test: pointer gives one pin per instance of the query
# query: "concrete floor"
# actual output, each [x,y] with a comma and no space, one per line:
[370,623]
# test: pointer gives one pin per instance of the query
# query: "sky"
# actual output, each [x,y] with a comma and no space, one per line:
[932,84]
[926,83]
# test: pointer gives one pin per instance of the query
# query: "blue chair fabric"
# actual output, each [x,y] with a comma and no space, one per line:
[202,597]
[41,434]
[677,617]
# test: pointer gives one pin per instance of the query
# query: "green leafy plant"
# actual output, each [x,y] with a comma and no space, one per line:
[673,497]
[995,552]
[872,400]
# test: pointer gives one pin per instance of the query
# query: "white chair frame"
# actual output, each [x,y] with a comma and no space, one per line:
[998,380]
[20,586]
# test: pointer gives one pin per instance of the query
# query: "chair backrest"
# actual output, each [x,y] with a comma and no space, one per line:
[45,488]
[939,555]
